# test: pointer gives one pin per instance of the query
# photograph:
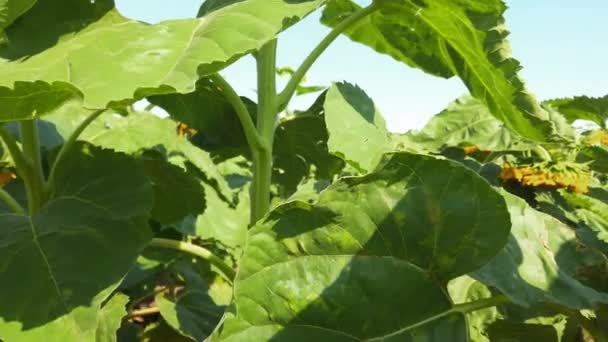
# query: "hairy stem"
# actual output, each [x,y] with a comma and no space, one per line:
[256,144]
[68,145]
[299,74]
[266,119]
[11,203]
[35,182]
[195,250]
[459,308]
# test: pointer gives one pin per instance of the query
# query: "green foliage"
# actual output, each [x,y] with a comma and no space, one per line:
[446,38]
[594,109]
[231,221]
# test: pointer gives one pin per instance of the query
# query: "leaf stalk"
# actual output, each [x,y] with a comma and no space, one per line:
[67,146]
[195,250]
[287,93]
[11,203]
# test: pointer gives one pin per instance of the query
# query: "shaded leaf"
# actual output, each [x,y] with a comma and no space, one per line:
[193,312]
[140,132]
[207,111]
[367,261]
[446,38]
[301,149]
[10,10]
[59,296]
[528,270]
[176,193]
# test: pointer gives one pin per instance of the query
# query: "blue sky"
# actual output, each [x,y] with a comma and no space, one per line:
[562,44]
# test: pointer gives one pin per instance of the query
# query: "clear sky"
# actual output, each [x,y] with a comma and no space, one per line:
[562,44]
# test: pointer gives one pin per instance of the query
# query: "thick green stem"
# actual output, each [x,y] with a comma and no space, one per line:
[299,74]
[35,182]
[68,145]
[266,119]
[254,140]
[460,308]
[195,250]
[10,202]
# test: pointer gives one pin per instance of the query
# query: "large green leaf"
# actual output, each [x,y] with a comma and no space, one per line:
[593,109]
[531,269]
[357,131]
[59,265]
[368,260]
[467,122]
[110,58]
[466,38]
[10,10]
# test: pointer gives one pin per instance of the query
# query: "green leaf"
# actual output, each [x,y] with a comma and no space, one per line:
[591,210]
[10,10]
[596,156]
[467,121]
[110,318]
[368,260]
[508,331]
[529,269]
[301,150]
[193,312]
[61,40]
[465,289]
[28,100]
[223,223]
[594,109]
[445,38]
[357,131]
[176,192]
[75,250]
[140,132]
[207,110]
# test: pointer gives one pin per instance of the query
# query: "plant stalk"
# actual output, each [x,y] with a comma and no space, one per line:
[143,312]
[67,146]
[11,203]
[287,93]
[266,119]
[459,308]
[195,250]
[35,182]
[256,144]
